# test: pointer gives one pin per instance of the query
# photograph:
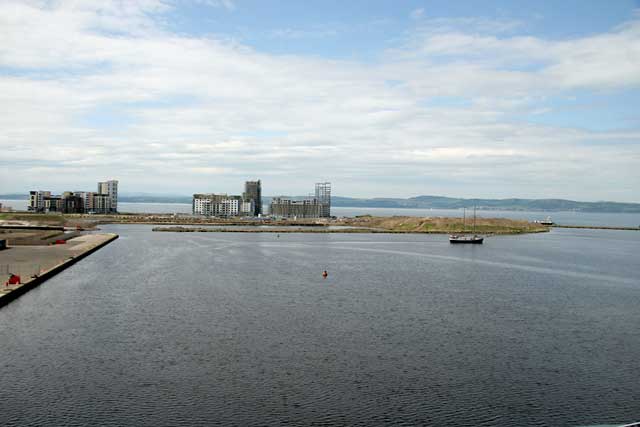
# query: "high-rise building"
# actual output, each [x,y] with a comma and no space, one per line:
[110,188]
[323,196]
[36,200]
[253,191]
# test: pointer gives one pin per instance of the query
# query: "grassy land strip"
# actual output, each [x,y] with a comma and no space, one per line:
[386,225]
[361,224]
[447,225]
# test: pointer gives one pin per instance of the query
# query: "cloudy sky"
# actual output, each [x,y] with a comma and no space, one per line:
[382,98]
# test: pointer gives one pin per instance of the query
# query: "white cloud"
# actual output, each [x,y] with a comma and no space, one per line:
[297,119]
[610,60]
[227,4]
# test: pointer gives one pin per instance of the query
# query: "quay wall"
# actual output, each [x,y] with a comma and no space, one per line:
[46,275]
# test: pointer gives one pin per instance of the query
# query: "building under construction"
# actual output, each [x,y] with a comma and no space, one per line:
[253,192]
[312,207]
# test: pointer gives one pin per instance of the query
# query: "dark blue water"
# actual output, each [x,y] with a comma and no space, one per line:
[241,329]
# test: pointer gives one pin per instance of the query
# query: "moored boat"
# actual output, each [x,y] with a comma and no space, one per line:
[454,238]
[463,238]
[547,221]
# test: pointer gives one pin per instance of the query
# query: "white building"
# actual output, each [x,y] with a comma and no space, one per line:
[248,208]
[220,205]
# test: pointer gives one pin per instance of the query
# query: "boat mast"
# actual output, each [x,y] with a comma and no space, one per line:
[474,219]
[464,218]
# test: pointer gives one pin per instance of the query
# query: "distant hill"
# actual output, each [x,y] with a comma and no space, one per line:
[14,197]
[439,202]
[420,202]
[155,199]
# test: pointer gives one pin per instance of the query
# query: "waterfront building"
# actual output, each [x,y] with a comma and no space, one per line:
[312,207]
[323,195]
[288,208]
[247,208]
[218,205]
[53,203]
[91,202]
[72,203]
[223,205]
[104,201]
[253,192]
[87,200]
[111,189]
[36,200]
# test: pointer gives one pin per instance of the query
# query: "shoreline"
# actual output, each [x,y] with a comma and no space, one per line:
[328,231]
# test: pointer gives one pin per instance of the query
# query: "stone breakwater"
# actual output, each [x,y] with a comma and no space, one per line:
[36,264]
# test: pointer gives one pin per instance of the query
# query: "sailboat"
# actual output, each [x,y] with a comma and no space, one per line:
[463,238]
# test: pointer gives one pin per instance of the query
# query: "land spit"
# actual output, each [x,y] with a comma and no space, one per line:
[358,224]
[369,224]
[54,222]
[36,264]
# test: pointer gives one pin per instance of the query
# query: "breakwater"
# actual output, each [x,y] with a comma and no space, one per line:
[42,256]
[597,227]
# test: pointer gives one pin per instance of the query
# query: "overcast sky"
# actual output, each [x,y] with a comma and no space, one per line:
[382,98]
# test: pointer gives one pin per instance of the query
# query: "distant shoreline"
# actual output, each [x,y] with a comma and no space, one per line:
[423,202]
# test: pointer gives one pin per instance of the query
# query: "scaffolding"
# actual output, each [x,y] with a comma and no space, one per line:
[323,196]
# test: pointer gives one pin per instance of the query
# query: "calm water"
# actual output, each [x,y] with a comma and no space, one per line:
[241,329]
[563,218]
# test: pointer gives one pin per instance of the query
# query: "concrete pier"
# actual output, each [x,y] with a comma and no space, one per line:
[36,264]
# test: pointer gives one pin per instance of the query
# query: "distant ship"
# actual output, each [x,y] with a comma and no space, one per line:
[463,238]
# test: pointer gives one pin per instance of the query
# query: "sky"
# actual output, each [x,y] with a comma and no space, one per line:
[487,99]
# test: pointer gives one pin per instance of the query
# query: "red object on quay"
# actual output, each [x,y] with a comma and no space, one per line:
[14,279]
[60,242]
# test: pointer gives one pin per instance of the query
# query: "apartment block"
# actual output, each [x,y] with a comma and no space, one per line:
[105,200]
[36,200]
[220,205]
[110,188]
